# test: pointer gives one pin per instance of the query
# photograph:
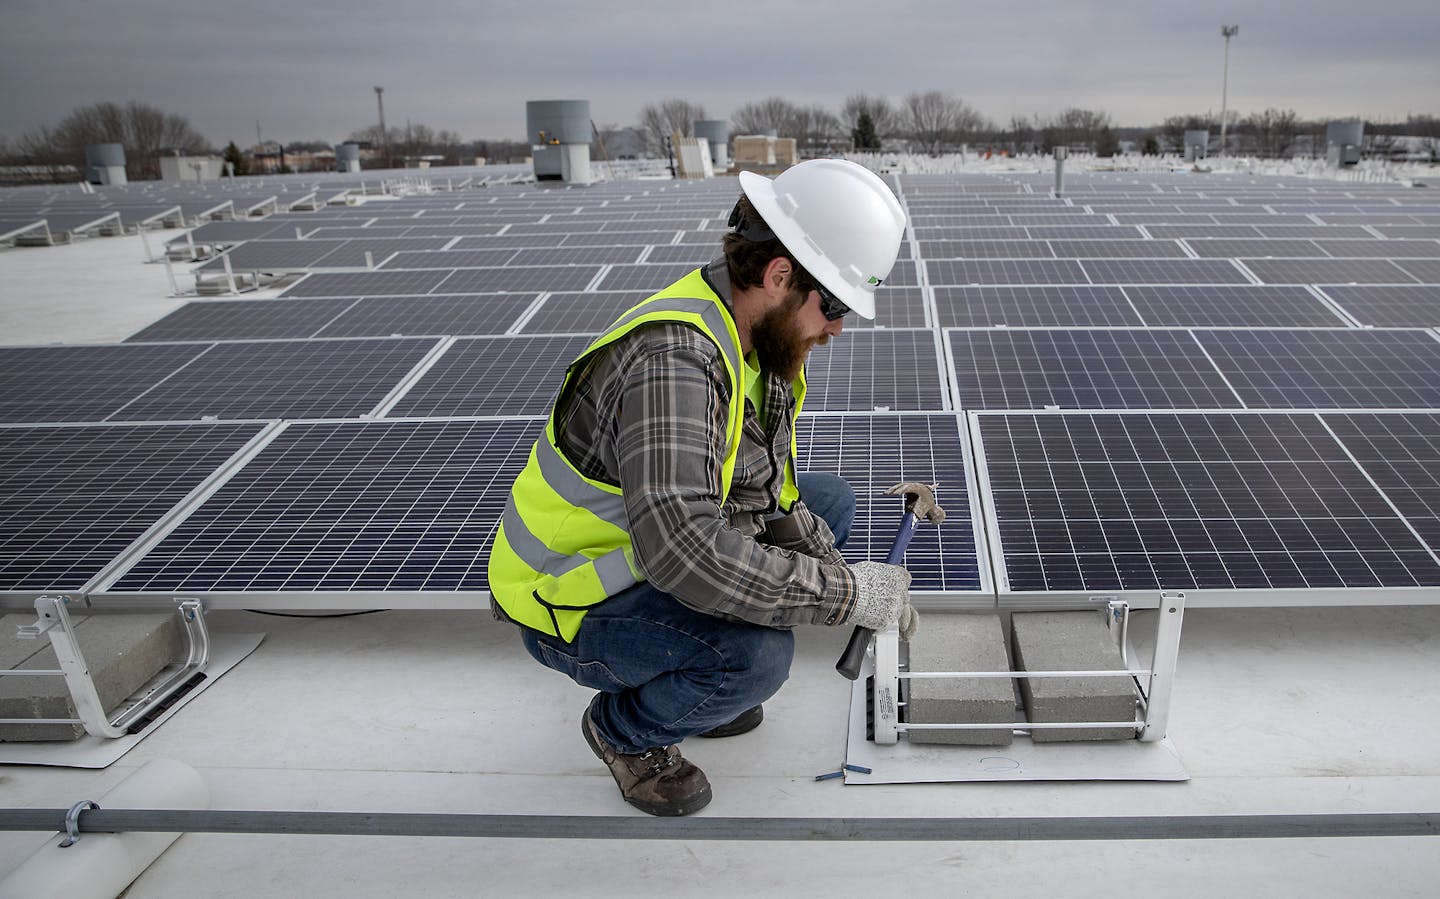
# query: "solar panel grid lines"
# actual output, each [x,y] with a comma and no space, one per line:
[492,376]
[1400,451]
[216,320]
[1388,305]
[366,284]
[1034,306]
[876,370]
[650,277]
[1347,368]
[72,498]
[83,383]
[1187,501]
[532,278]
[1231,306]
[1426,271]
[379,506]
[247,380]
[873,452]
[965,272]
[1024,369]
[427,315]
[1163,271]
[447,259]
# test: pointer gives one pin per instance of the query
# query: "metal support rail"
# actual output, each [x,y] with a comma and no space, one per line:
[54,620]
[85,820]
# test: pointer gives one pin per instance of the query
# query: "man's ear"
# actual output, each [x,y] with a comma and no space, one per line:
[778,273]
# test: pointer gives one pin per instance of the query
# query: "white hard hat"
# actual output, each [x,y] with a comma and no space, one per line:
[839,221]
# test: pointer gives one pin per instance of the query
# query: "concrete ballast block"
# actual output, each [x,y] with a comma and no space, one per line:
[1071,641]
[123,652]
[961,642]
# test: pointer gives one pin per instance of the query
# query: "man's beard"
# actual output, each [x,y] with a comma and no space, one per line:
[778,342]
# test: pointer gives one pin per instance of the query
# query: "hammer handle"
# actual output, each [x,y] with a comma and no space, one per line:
[854,654]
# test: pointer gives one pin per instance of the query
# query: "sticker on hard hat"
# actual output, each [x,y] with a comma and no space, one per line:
[875,282]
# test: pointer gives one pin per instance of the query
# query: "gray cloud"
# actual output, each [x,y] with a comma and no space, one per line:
[307,70]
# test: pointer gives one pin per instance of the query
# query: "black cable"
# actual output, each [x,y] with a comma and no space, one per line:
[306,615]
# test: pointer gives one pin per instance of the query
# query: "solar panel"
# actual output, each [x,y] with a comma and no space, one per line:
[366,284]
[1329,369]
[1163,271]
[1145,502]
[577,256]
[987,249]
[1328,271]
[375,250]
[1005,271]
[281,379]
[1383,249]
[1401,454]
[347,506]
[448,259]
[492,376]
[688,254]
[1231,306]
[1389,305]
[875,370]
[1416,232]
[244,319]
[925,233]
[1426,271]
[1226,249]
[82,383]
[1029,306]
[72,499]
[1202,230]
[873,452]
[425,315]
[1112,369]
[1084,232]
[644,277]
[581,313]
[518,278]
[272,255]
[1117,249]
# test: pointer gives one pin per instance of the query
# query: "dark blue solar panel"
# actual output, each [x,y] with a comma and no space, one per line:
[492,376]
[1329,369]
[72,499]
[82,383]
[399,506]
[1122,369]
[282,379]
[1401,452]
[1123,502]
[873,452]
[875,370]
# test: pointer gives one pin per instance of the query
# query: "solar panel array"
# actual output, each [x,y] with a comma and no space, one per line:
[1225,385]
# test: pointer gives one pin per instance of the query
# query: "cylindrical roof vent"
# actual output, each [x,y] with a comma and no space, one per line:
[558,121]
[105,163]
[717,132]
[347,157]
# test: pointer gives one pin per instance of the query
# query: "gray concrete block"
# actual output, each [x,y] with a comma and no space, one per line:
[961,642]
[1071,641]
[123,652]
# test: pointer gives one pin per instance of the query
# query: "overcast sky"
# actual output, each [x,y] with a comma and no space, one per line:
[306,69]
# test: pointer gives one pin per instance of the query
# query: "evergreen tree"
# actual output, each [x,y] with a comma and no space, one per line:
[864,136]
[233,156]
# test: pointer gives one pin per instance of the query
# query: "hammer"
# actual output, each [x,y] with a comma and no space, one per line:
[919,502]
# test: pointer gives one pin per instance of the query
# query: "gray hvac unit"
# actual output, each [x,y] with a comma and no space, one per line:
[560,139]
[105,164]
[717,132]
[1343,141]
[1197,145]
[347,157]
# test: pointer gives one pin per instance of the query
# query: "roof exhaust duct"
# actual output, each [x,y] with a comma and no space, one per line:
[559,139]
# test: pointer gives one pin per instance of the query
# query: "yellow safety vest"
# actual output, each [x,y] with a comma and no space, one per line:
[563,544]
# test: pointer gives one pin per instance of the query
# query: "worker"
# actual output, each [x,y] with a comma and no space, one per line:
[659,545]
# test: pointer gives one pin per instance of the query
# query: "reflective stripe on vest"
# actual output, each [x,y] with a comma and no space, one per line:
[564,544]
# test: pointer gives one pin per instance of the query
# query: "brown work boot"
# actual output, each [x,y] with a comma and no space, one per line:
[745,722]
[657,781]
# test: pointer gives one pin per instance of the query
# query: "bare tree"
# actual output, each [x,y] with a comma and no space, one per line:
[1078,128]
[1269,134]
[669,117]
[937,120]
[771,114]
[145,132]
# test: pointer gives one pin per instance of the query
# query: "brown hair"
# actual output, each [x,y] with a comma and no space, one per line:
[746,259]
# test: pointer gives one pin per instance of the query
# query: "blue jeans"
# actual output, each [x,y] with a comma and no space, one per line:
[666,672]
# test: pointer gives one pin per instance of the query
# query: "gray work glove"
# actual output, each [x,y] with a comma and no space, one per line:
[883,598]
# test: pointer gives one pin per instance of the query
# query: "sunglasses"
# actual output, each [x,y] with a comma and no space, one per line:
[830,305]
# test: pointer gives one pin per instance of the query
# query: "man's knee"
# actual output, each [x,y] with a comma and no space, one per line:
[765,665]
[832,498]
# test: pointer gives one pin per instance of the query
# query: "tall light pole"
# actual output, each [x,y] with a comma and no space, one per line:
[385,140]
[1227,32]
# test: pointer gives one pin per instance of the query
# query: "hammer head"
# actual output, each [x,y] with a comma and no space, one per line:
[919,499]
